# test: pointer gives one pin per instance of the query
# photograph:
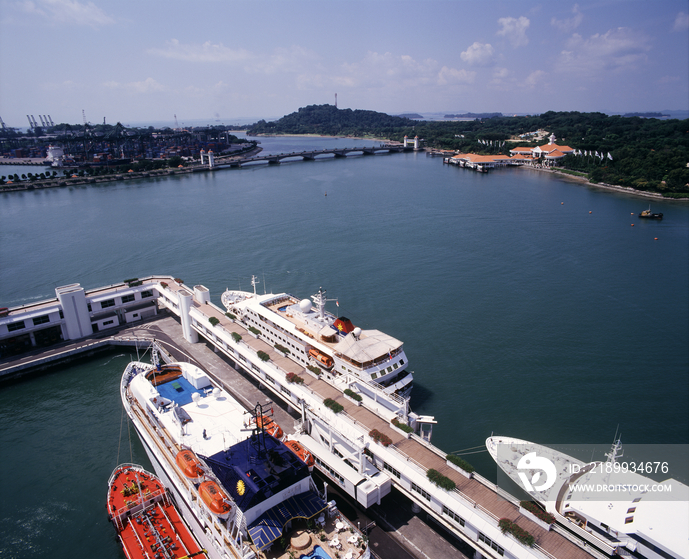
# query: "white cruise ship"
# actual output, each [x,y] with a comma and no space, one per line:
[316,337]
[604,503]
[239,488]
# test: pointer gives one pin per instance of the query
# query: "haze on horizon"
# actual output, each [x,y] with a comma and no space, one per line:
[213,59]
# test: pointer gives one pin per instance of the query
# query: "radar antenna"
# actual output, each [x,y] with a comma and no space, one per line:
[320,300]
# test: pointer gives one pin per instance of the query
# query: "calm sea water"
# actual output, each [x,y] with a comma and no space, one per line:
[529,306]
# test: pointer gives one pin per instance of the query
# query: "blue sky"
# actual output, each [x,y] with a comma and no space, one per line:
[147,60]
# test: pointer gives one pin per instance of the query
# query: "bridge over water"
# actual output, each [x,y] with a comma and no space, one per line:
[276,158]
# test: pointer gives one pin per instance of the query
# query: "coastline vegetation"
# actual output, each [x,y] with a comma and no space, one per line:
[648,154]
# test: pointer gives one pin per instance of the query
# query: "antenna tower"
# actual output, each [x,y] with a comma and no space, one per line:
[176,123]
[336,100]
[83,114]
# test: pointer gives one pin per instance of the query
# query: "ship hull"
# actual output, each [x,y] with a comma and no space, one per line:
[170,480]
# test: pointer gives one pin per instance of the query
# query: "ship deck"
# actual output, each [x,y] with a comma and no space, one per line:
[481,494]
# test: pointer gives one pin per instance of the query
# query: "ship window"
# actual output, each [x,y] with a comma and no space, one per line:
[15,326]
[128,298]
[395,365]
[454,516]
[108,303]
[41,320]
[636,500]
[145,294]
[392,470]
[631,510]
[629,520]
[389,369]
[374,376]
[421,492]
[401,361]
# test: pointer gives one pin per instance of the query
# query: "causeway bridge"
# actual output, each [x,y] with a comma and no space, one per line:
[312,155]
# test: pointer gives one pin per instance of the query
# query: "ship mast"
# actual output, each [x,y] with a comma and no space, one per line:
[254,283]
[320,300]
[615,451]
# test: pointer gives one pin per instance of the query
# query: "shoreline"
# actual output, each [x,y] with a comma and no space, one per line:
[64,181]
[604,186]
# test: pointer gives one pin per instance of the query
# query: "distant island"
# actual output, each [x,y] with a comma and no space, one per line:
[474,115]
[646,115]
[413,116]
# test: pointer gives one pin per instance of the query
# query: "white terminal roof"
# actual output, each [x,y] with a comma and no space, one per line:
[370,345]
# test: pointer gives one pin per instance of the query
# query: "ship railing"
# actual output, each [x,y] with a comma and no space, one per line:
[144,501]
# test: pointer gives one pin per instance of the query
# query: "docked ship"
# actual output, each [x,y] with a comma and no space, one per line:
[317,338]
[626,518]
[145,518]
[238,487]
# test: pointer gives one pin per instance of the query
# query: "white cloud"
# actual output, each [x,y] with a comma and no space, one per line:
[681,22]
[534,78]
[68,11]
[149,85]
[478,54]
[514,29]
[387,70]
[291,59]
[451,76]
[205,52]
[615,50]
[570,24]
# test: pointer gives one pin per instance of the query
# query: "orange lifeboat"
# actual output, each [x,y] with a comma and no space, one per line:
[215,499]
[321,357]
[189,464]
[269,426]
[301,452]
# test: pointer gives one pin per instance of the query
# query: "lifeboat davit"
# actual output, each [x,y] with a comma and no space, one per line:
[323,359]
[190,465]
[301,452]
[270,426]
[215,499]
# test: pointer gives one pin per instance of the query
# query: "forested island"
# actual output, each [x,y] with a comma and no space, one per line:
[647,154]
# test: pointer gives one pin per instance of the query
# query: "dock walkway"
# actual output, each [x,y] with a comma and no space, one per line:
[478,492]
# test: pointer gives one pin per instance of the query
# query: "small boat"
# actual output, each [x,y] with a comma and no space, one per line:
[147,522]
[215,499]
[269,426]
[190,465]
[649,215]
[303,454]
[322,359]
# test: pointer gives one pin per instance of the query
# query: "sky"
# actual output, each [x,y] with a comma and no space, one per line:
[146,61]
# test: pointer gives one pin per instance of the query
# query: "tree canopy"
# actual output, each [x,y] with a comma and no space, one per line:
[647,153]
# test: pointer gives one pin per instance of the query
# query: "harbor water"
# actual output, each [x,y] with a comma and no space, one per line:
[529,306]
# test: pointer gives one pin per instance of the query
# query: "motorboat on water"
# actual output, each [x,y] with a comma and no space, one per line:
[316,338]
[147,522]
[648,214]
